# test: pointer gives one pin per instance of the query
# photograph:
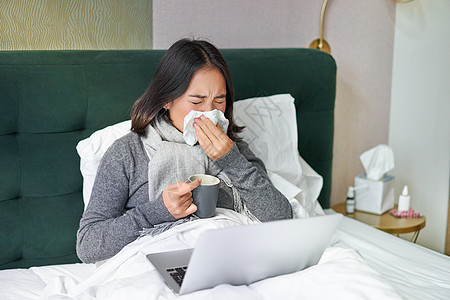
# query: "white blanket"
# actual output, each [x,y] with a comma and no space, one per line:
[415,271]
[340,274]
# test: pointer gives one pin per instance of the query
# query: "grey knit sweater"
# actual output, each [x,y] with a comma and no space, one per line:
[120,207]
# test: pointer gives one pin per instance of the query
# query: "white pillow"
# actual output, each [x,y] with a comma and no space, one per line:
[271,132]
[91,151]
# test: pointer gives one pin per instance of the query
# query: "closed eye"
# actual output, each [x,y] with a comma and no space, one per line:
[197,97]
[220,99]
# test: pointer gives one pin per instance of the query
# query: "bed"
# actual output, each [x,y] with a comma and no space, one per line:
[58,107]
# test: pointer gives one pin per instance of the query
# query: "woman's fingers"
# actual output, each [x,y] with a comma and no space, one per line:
[209,129]
[192,208]
[212,139]
[177,198]
[192,185]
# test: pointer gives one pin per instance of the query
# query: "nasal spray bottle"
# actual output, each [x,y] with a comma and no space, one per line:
[404,200]
[350,201]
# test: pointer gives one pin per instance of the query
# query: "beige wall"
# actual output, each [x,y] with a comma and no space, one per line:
[361,36]
[75,24]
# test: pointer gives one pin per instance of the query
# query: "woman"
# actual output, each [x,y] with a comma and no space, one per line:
[140,183]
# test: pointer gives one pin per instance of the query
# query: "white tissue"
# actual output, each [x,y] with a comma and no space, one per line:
[216,116]
[377,161]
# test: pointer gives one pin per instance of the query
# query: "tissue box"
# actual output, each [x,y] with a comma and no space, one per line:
[374,196]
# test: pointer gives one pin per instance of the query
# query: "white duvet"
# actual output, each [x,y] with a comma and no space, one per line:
[415,271]
[341,274]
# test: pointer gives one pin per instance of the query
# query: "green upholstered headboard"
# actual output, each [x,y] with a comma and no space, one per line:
[50,100]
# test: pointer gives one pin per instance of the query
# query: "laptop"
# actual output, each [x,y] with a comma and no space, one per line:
[242,255]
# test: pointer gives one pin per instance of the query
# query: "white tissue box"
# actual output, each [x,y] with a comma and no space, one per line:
[374,196]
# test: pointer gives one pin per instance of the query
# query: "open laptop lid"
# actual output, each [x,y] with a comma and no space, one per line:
[245,254]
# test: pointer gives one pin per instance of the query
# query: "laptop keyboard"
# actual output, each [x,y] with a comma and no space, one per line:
[177,273]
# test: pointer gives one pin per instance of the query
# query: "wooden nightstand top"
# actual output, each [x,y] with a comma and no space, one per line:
[385,222]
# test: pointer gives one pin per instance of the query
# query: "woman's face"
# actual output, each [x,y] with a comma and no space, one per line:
[207,91]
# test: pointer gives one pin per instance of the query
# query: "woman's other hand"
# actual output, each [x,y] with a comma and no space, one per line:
[177,198]
[212,139]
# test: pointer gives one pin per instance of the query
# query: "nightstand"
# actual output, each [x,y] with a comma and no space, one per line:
[386,221]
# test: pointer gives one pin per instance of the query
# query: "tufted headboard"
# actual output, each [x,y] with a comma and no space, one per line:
[50,100]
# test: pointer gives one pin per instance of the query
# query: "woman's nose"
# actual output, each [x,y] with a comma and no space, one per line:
[208,106]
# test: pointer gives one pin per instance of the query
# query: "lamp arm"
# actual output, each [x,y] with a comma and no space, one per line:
[320,43]
[322,21]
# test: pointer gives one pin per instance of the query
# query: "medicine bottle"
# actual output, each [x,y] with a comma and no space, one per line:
[404,200]
[350,201]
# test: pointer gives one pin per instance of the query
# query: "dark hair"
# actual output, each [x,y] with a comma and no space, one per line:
[172,78]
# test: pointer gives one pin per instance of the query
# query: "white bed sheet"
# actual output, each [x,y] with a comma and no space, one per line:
[376,273]
[415,271]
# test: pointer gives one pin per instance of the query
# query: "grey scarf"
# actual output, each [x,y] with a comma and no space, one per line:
[172,160]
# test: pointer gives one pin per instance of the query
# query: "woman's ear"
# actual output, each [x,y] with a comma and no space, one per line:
[167,106]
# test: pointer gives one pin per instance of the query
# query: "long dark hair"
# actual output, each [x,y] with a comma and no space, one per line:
[172,78]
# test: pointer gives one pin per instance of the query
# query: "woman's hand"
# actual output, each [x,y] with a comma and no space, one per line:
[177,198]
[211,138]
